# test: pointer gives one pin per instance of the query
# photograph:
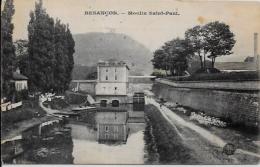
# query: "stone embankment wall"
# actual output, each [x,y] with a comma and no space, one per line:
[238,107]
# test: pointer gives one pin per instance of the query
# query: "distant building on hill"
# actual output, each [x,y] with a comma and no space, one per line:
[235,66]
[249,59]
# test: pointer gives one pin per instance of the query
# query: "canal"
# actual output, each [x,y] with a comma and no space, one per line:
[110,135]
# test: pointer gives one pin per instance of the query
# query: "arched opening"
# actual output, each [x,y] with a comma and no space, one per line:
[103,103]
[115,103]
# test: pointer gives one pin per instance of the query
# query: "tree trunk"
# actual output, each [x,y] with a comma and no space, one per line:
[213,62]
[201,63]
[205,61]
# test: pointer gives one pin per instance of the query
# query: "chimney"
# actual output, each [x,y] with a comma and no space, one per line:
[256,56]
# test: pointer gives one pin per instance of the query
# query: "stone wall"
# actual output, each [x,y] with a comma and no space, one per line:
[240,108]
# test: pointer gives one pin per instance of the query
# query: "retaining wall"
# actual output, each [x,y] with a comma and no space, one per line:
[240,108]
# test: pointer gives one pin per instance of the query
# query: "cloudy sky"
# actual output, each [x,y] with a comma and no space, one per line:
[152,31]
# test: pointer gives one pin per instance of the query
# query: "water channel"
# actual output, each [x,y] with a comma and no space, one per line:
[104,136]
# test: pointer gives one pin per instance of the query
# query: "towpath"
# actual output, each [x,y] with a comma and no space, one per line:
[207,146]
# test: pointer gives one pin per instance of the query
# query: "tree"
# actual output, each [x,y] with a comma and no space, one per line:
[210,41]
[220,40]
[51,49]
[60,57]
[160,60]
[180,52]
[41,49]
[197,41]
[173,56]
[22,56]
[70,60]
[7,47]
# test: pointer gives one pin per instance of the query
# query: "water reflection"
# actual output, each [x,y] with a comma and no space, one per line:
[110,135]
[118,137]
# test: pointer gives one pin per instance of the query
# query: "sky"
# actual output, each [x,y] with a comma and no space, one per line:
[151,31]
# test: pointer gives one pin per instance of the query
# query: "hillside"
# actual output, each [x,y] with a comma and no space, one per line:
[92,47]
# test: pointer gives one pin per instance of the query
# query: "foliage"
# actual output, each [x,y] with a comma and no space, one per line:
[92,76]
[158,74]
[220,40]
[7,47]
[173,56]
[22,56]
[56,103]
[210,41]
[50,49]
[197,41]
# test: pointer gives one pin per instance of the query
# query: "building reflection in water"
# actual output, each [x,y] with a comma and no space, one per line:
[112,125]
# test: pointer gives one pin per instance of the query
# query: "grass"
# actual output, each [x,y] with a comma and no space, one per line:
[75,98]
[56,103]
[30,109]
[170,148]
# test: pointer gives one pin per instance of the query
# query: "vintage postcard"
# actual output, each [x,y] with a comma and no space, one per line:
[133,82]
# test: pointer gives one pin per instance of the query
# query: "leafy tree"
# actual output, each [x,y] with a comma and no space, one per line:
[173,56]
[7,47]
[60,59]
[160,60]
[220,40]
[51,49]
[41,49]
[180,51]
[210,41]
[195,36]
[22,56]
[70,60]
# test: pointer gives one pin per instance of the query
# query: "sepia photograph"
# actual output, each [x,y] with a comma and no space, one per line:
[133,82]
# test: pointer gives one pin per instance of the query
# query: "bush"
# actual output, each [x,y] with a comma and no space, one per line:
[56,103]
[14,116]
[158,74]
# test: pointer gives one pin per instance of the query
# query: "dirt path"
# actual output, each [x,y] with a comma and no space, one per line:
[206,145]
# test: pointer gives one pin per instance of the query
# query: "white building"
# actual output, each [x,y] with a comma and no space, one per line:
[19,80]
[112,82]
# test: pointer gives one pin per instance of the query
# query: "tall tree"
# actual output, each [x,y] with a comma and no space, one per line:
[22,56]
[7,47]
[41,49]
[220,40]
[180,52]
[195,36]
[51,49]
[173,56]
[160,60]
[60,56]
[70,60]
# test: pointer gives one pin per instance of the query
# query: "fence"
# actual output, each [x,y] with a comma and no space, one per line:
[8,106]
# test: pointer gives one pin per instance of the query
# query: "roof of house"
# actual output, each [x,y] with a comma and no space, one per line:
[18,76]
[112,63]
[235,66]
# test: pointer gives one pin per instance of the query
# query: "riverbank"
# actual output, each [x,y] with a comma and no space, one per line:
[21,118]
[207,147]
[169,144]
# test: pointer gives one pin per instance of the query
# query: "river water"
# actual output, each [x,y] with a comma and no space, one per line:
[109,136]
